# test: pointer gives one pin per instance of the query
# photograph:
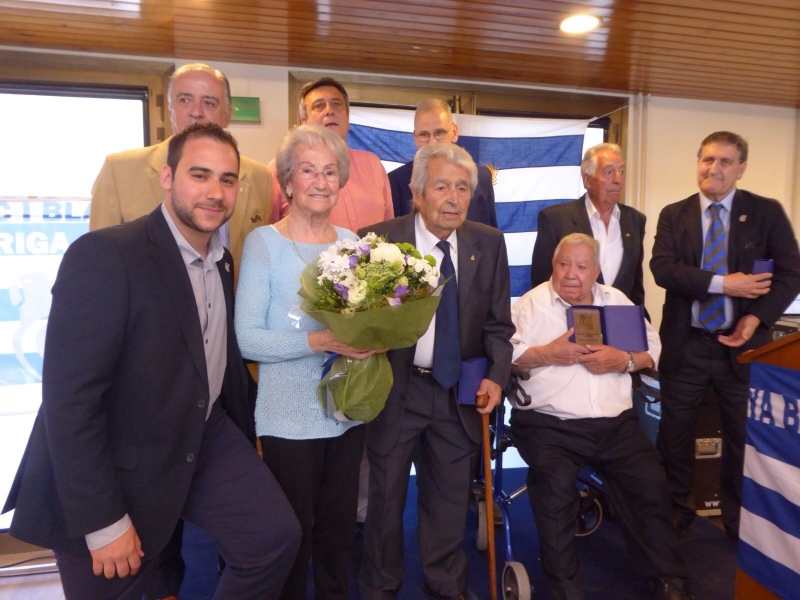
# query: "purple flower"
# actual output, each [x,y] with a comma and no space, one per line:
[342,289]
[394,301]
[361,250]
[400,291]
[353,261]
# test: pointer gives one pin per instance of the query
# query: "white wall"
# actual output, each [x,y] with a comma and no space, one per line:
[258,141]
[673,130]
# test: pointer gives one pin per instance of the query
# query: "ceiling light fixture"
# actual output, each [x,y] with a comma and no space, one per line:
[579,24]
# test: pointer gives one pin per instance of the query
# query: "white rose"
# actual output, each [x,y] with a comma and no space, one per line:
[357,293]
[386,252]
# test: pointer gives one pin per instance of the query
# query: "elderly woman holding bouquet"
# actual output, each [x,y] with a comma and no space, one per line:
[315,458]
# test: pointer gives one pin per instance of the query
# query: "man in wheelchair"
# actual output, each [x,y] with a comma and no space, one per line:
[581,414]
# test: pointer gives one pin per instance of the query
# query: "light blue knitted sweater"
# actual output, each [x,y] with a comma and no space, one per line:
[288,370]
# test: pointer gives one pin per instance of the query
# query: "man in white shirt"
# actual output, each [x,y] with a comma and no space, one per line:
[581,414]
[618,228]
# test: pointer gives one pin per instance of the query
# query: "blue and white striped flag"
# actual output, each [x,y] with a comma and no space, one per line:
[769,532]
[537,163]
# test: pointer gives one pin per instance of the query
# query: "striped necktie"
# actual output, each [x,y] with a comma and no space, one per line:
[715,259]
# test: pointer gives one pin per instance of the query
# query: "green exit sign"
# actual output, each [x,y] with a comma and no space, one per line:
[246,109]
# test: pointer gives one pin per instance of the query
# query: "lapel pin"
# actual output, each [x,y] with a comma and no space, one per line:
[228,267]
[241,190]
[472,257]
[627,235]
[743,218]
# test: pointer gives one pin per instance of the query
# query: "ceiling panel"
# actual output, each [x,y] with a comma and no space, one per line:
[719,49]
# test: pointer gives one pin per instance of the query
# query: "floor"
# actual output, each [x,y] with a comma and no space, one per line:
[22,572]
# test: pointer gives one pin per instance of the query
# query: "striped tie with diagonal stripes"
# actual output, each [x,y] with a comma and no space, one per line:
[715,259]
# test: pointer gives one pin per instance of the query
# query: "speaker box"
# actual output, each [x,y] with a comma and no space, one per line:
[708,453]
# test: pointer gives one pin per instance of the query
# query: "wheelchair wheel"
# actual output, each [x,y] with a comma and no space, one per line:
[516,584]
[481,541]
[590,514]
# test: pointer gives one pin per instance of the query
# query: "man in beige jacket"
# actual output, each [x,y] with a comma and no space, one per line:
[127,186]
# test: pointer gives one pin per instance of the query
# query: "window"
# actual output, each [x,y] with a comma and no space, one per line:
[57,137]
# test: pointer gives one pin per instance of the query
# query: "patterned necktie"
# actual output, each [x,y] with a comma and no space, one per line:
[446,347]
[715,259]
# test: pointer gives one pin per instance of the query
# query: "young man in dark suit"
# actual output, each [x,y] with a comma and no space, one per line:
[618,228]
[144,416]
[473,320]
[433,124]
[716,307]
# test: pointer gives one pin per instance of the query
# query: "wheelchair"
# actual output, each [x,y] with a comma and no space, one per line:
[594,505]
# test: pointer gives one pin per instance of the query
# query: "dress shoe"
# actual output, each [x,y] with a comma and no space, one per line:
[465,595]
[671,588]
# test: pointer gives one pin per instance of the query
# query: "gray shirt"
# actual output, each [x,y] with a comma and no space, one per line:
[210,299]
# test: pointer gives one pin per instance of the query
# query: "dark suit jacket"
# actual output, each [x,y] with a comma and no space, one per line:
[484,320]
[124,392]
[759,228]
[481,206]
[556,222]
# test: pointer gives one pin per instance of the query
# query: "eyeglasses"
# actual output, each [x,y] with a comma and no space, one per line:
[425,136]
[309,174]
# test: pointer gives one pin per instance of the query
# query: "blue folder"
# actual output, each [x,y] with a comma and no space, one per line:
[473,370]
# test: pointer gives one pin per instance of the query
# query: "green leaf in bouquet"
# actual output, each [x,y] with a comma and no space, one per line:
[407,248]
[357,389]
[390,327]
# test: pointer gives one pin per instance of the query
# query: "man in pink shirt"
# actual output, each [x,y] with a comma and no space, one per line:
[367,197]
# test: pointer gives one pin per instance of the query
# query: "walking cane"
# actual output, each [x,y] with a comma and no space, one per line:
[482,401]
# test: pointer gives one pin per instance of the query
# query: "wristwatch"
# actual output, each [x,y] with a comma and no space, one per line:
[631,364]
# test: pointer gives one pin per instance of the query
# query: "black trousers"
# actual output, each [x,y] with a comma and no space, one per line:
[706,363]
[444,476]
[234,498]
[633,477]
[320,479]
[169,569]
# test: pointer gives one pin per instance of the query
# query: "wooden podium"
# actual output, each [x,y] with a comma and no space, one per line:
[783,352]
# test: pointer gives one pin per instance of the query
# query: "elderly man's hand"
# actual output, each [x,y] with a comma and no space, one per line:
[604,359]
[562,352]
[495,393]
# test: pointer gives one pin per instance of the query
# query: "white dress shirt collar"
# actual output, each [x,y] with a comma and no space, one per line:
[726,202]
[426,241]
[591,209]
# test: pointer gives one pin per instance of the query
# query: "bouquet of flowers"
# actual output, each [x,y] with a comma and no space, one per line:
[372,295]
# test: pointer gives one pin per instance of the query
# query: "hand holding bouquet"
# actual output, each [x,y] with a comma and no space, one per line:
[372,295]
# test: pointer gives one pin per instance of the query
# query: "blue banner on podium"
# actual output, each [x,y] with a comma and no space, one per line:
[769,547]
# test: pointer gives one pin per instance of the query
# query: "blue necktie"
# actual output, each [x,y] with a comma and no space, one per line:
[446,347]
[715,258]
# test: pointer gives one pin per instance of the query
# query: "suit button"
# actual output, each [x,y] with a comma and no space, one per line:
[190,457]
[201,403]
